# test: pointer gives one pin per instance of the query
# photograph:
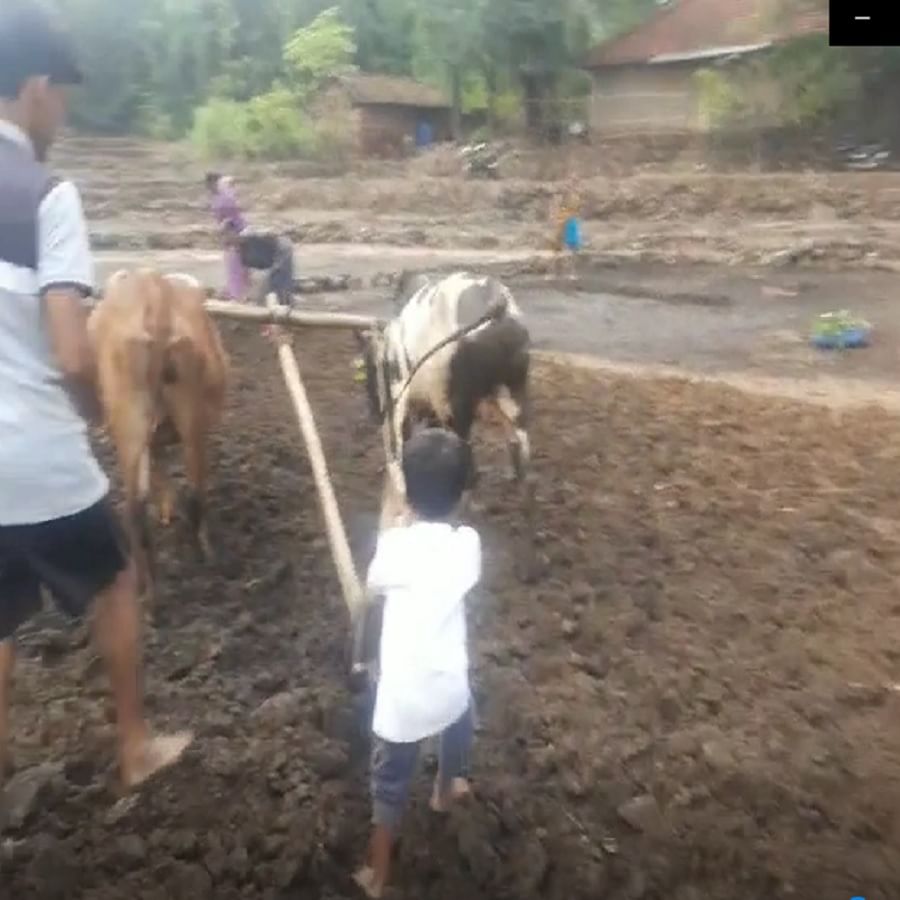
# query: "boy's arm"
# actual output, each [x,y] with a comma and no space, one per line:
[367,626]
[470,558]
[367,635]
[382,569]
[65,278]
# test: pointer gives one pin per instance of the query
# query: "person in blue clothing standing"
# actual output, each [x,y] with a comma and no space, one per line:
[569,239]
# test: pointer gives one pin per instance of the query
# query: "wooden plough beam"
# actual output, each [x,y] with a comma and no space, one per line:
[273,314]
[351,587]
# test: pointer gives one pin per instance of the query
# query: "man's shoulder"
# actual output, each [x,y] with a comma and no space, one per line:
[26,173]
[60,196]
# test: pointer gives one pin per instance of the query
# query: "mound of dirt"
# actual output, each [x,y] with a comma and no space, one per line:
[695,702]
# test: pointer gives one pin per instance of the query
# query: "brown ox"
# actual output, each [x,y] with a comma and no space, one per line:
[161,371]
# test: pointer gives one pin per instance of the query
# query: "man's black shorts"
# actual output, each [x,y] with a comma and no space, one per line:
[75,558]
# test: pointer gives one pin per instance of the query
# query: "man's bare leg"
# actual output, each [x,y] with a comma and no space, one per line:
[374,875]
[116,628]
[7,660]
[451,783]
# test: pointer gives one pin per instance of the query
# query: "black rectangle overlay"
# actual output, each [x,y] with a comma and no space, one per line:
[863,23]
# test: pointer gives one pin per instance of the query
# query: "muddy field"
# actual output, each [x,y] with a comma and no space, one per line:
[146,197]
[697,702]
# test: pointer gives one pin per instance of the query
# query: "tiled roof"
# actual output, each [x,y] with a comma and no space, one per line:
[379,90]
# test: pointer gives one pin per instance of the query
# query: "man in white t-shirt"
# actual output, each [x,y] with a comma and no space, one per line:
[424,570]
[58,530]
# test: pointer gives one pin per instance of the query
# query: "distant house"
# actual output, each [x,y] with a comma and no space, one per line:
[643,80]
[392,114]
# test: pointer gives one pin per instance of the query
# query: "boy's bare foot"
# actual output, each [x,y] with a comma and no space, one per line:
[441,802]
[365,879]
[153,755]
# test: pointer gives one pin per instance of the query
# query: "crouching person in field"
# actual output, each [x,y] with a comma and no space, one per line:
[424,569]
[247,250]
[58,530]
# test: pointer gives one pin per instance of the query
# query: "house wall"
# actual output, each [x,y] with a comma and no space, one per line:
[334,103]
[390,130]
[645,98]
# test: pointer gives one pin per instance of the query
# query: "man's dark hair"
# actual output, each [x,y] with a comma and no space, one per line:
[32,47]
[436,466]
[212,180]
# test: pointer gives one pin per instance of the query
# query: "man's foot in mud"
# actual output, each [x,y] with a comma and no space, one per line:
[152,756]
[442,801]
[366,881]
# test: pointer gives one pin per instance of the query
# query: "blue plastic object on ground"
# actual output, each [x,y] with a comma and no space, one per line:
[572,233]
[424,134]
[848,339]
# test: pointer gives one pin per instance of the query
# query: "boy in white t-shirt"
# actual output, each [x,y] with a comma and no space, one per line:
[424,570]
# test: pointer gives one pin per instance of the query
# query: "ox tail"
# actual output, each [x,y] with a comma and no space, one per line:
[183,364]
[156,301]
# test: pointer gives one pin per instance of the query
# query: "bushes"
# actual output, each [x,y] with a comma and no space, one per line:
[277,125]
[270,126]
[219,130]
[803,83]
[152,122]
[276,128]
[334,128]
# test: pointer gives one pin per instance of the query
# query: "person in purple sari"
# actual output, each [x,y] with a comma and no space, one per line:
[227,212]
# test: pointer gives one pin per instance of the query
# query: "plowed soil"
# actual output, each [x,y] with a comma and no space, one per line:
[696,702]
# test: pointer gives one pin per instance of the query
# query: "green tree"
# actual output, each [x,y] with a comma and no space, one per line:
[539,44]
[450,45]
[323,49]
[385,32]
[108,40]
[151,64]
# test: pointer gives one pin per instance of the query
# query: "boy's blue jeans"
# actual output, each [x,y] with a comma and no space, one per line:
[394,765]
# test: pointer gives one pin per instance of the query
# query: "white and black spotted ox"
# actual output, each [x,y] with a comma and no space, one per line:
[478,373]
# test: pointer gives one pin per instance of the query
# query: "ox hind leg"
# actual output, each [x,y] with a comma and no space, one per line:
[512,404]
[164,438]
[192,428]
[186,406]
[463,413]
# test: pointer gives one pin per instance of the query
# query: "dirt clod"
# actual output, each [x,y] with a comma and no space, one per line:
[642,814]
[25,791]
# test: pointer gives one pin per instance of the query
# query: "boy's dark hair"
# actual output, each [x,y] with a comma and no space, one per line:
[32,47]
[212,180]
[436,466]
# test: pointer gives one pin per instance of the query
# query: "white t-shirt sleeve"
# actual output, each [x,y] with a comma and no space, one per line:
[469,562]
[64,251]
[383,568]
